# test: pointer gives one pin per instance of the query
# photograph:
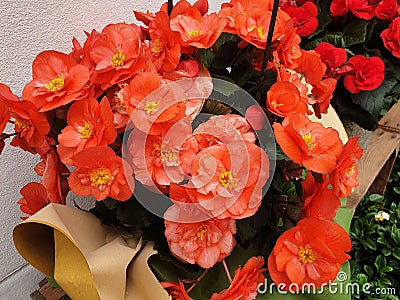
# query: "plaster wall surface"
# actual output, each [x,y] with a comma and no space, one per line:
[28,27]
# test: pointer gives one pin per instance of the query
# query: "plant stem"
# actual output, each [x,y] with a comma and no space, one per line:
[261,79]
[4,136]
[170,6]
[197,281]
[227,270]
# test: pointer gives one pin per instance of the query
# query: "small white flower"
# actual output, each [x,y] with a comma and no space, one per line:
[381,215]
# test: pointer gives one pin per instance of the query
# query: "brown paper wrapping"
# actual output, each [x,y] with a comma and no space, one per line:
[88,260]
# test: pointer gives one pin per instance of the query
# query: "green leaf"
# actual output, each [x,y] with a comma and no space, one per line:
[374,101]
[223,38]
[361,278]
[386,281]
[227,55]
[248,227]
[244,74]
[207,57]
[168,270]
[376,197]
[335,39]
[381,240]
[132,213]
[369,271]
[343,217]
[380,262]
[289,188]
[216,108]
[52,282]
[355,32]
[324,19]
[386,251]
[369,244]
[227,89]
[216,279]
[387,269]
[110,203]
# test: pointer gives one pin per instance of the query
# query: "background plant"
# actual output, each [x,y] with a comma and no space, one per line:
[376,244]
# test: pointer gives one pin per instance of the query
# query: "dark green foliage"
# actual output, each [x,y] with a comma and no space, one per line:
[376,244]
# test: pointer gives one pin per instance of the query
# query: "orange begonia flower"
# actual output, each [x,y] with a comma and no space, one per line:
[34,198]
[344,177]
[155,104]
[82,54]
[319,200]
[54,176]
[29,123]
[90,124]
[228,187]
[309,253]
[176,290]
[159,160]
[309,143]
[100,173]
[292,76]
[204,243]
[223,129]
[115,95]
[313,69]
[57,80]
[321,95]
[196,31]
[154,113]
[165,44]
[250,20]
[116,54]
[284,99]
[6,95]
[246,281]
[288,51]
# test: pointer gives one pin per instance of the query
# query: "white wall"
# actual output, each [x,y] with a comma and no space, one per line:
[28,27]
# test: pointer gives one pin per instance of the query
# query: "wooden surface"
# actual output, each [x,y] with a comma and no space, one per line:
[377,161]
[47,292]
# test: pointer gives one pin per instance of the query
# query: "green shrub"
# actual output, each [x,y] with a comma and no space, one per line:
[376,242]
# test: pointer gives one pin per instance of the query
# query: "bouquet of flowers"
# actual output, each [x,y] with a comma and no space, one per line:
[171,127]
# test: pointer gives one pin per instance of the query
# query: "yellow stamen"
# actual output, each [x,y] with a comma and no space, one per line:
[168,155]
[195,33]
[21,123]
[158,46]
[308,139]
[56,84]
[275,105]
[260,32]
[150,107]
[201,232]
[100,177]
[306,254]
[119,104]
[86,131]
[227,181]
[118,58]
[350,171]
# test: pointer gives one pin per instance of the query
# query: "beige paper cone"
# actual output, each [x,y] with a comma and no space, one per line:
[88,259]
[331,119]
